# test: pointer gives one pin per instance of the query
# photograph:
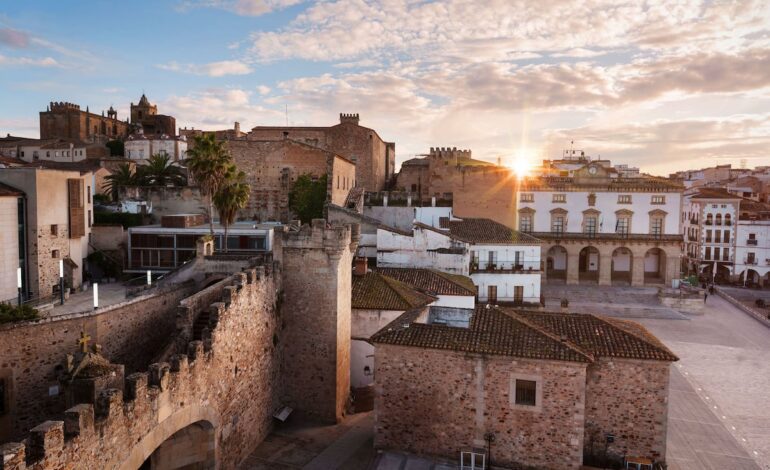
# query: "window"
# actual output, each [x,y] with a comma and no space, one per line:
[54,253]
[708,253]
[750,258]
[728,220]
[525,223]
[656,226]
[492,259]
[592,199]
[55,230]
[622,225]
[726,255]
[589,225]
[89,217]
[527,197]
[557,224]
[492,294]
[718,219]
[717,236]
[89,194]
[716,253]
[709,219]
[658,200]
[624,199]
[526,392]
[559,198]
[518,294]
[414,188]
[708,236]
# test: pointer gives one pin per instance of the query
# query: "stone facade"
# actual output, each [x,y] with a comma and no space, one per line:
[441,403]
[211,405]
[374,158]
[628,399]
[130,332]
[272,167]
[67,121]
[317,315]
[146,115]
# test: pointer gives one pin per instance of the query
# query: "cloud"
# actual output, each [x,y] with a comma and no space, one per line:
[241,7]
[579,52]
[218,108]
[212,69]
[14,38]
[28,61]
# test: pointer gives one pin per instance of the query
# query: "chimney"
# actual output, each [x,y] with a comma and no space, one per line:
[237,128]
[360,266]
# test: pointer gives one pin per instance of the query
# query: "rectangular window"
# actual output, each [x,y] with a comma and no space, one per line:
[658,200]
[750,258]
[492,294]
[89,194]
[590,225]
[492,258]
[54,253]
[559,198]
[656,227]
[717,252]
[55,230]
[624,199]
[708,253]
[526,392]
[727,236]
[557,224]
[518,294]
[622,226]
[708,236]
[525,223]
[717,236]
[726,255]
[527,197]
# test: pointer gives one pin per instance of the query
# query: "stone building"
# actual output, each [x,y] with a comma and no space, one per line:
[549,387]
[66,121]
[53,150]
[374,158]
[145,115]
[272,167]
[709,218]
[752,244]
[141,146]
[56,221]
[11,250]
[598,227]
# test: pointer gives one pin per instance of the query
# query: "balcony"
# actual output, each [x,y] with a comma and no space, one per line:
[692,238]
[750,262]
[752,241]
[693,221]
[506,267]
[708,222]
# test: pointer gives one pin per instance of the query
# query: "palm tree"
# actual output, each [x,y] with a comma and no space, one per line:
[233,194]
[124,175]
[161,171]
[208,162]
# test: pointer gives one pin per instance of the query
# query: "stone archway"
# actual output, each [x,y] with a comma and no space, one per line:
[193,425]
[752,277]
[556,263]
[588,265]
[655,266]
[622,266]
[190,448]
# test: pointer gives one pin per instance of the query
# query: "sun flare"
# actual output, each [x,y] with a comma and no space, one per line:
[523,162]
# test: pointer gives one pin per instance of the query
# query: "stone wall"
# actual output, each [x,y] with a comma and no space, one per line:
[30,352]
[227,383]
[438,402]
[629,399]
[316,312]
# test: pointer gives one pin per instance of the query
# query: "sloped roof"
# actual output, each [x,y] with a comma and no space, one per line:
[530,335]
[416,162]
[487,231]
[432,281]
[375,291]
[6,190]
[713,193]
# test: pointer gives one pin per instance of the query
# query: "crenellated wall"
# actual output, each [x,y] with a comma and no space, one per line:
[225,387]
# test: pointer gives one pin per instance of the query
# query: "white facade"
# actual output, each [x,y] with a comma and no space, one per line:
[9,246]
[709,229]
[141,147]
[424,248]
[752,250]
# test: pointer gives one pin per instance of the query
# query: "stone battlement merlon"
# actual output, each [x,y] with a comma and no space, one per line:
[319,235]
[449,153]
[94,434]
[353,118]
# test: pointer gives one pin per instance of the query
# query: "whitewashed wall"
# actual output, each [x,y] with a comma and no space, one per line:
[505,283]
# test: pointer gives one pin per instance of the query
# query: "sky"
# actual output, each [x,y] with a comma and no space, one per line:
[664,86]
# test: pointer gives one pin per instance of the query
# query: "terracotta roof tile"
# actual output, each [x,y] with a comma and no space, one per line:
[6,190]
[532,335]
[375,291]
[487,231]
[431,281]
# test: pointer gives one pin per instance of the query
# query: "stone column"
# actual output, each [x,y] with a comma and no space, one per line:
[672,268]
[544,263]
[637,271]
[605,269]
[573,263]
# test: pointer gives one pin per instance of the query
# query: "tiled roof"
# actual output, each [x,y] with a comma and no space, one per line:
[531,335]
[416,162]
[488,232]
[431,281]
[375,291]
[87,165]
[713,193]
[6,190]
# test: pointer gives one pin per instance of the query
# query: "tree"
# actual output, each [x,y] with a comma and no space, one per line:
[124,175]
[232,195]
[161,171]
[307,197]
[208,162]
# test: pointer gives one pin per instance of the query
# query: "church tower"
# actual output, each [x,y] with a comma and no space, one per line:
[143,112]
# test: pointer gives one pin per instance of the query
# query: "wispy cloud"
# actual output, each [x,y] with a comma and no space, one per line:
[14,38]
[212,69]
[28,61]
[240,7]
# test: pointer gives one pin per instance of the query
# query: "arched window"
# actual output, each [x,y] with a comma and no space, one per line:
[719,219]
[728,219]
[709,219]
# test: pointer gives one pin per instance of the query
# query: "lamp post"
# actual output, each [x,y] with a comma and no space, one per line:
[149,277]
[61,280]
[96,296]
[18,283]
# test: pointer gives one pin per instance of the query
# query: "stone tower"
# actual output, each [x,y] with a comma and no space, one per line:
[316,312]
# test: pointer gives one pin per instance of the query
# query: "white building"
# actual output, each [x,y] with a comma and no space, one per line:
[752,244]
[599,227]
[504,264]
[141,147]
[54,150]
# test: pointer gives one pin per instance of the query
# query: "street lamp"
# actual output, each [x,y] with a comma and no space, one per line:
[149,277]
[96,296]
[18,283]
[61,280]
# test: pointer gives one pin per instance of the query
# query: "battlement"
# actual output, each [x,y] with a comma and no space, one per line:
[351,118]
[320,235]
[63,106]
[447,153]
[123,427]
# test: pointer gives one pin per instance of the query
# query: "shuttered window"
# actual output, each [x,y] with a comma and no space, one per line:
[77,220]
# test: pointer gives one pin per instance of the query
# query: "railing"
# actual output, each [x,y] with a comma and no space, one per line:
[506,267]
[751,242]
[693,221]
[750,261]
[708,222]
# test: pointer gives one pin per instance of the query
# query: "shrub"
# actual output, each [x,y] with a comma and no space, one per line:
[13,313]
[760,303]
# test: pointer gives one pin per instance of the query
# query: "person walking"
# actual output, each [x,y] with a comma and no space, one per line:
[705,296]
